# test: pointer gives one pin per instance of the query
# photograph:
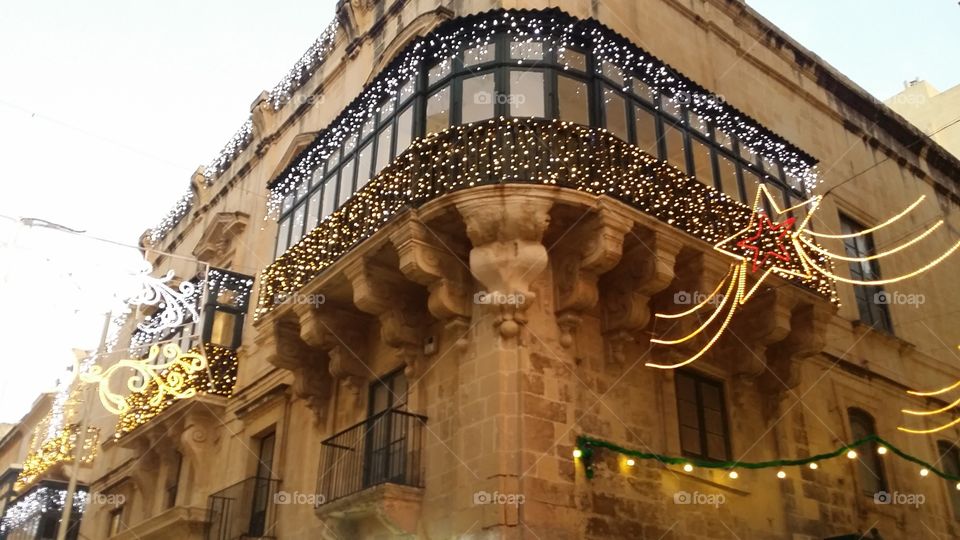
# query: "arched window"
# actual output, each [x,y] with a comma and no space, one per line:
[869,467]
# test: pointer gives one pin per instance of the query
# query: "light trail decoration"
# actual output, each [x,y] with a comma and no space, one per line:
[784,248]
[166,366]
[176,306]
[947,409]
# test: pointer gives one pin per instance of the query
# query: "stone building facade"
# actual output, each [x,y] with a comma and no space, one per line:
[462,217]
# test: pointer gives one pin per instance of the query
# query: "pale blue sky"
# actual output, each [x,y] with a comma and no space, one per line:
[107,108]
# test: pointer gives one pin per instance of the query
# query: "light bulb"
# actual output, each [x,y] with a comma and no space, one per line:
[631,462]
[687,467]
[577,453]
[781,475]
[924,472]
[852,454]
[882,450]
[814,466]
[734,475]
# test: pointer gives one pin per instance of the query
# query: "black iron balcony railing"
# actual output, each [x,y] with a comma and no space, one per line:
[245,510]
[509,151]
[385,448]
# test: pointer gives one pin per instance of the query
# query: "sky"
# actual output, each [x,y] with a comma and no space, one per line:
[108,107]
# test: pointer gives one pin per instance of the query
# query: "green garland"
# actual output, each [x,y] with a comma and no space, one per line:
[587,445]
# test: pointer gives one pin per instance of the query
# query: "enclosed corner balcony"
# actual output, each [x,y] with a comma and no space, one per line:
[527,151]
[383,449]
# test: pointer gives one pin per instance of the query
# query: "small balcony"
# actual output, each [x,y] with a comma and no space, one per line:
[243,511]
[383,449]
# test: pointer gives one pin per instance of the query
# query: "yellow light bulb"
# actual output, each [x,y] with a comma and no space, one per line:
[781,475]
[814,466]
[882,450]
[924,472]
[631,462]
[687,467]
[852,454]
[733,475]
[577,453]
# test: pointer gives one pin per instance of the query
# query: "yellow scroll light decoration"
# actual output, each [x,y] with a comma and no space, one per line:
[941,410]
[790,244]
[156,368]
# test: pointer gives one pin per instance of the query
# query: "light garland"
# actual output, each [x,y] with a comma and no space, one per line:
[180,209]
[25,513]
[166,368]
[524,151]
[218,379]
[586,448]
[561,32]
[55,450]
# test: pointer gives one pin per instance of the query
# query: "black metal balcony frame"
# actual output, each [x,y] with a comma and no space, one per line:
[246,509]
[385,448]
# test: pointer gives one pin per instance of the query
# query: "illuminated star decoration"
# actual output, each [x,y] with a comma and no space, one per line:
[766,247]
[947,408]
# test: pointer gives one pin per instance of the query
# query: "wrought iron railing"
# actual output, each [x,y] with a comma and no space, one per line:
[508,151]
[245,510]
[385,448]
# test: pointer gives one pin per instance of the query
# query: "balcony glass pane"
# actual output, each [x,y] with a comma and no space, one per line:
[404,129]
[615,113]
[439,71]
[612,72]
[676,154]
[641,90]
[345,187]
[526,50]
[313,208]
[645,129]
[329,197]
[363,165]
[478,98]
[478,55]
[671,107]
[407,90]
[526,94]
[573,100]
[296,227]
[384,140]
[438,111]
[728,176]
[282,232]
[572,60]
[702,162]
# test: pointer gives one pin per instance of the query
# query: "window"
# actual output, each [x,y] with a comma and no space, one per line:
[438,111]
[283,231]
[615,113]
[950,459]
[729,183]
[261,491]
[572,100]
[329,197]
[645,130]
[702,414]
[345,188]
[572,60]
[384,140]
[526,50]
[363,169]
[386,433]
[115,525]
[404,129]
[478,98]
[478,55]
[439,71]
[673,139]
[173,480]
[869,469]
[526,93]
[702,162]
[871,299]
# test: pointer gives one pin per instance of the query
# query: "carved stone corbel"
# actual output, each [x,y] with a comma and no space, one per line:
[807,337]
[282,345]
[508,252]
[432,262]
[387,295]
[337,333]
[645,269]
[760,322]
[595,247]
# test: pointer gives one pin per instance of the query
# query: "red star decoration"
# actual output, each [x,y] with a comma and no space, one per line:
[752,243]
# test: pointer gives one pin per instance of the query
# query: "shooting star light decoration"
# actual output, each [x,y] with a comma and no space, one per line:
[945,409]
[785,248]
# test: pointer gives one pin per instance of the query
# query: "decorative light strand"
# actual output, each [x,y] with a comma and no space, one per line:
[588,446]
